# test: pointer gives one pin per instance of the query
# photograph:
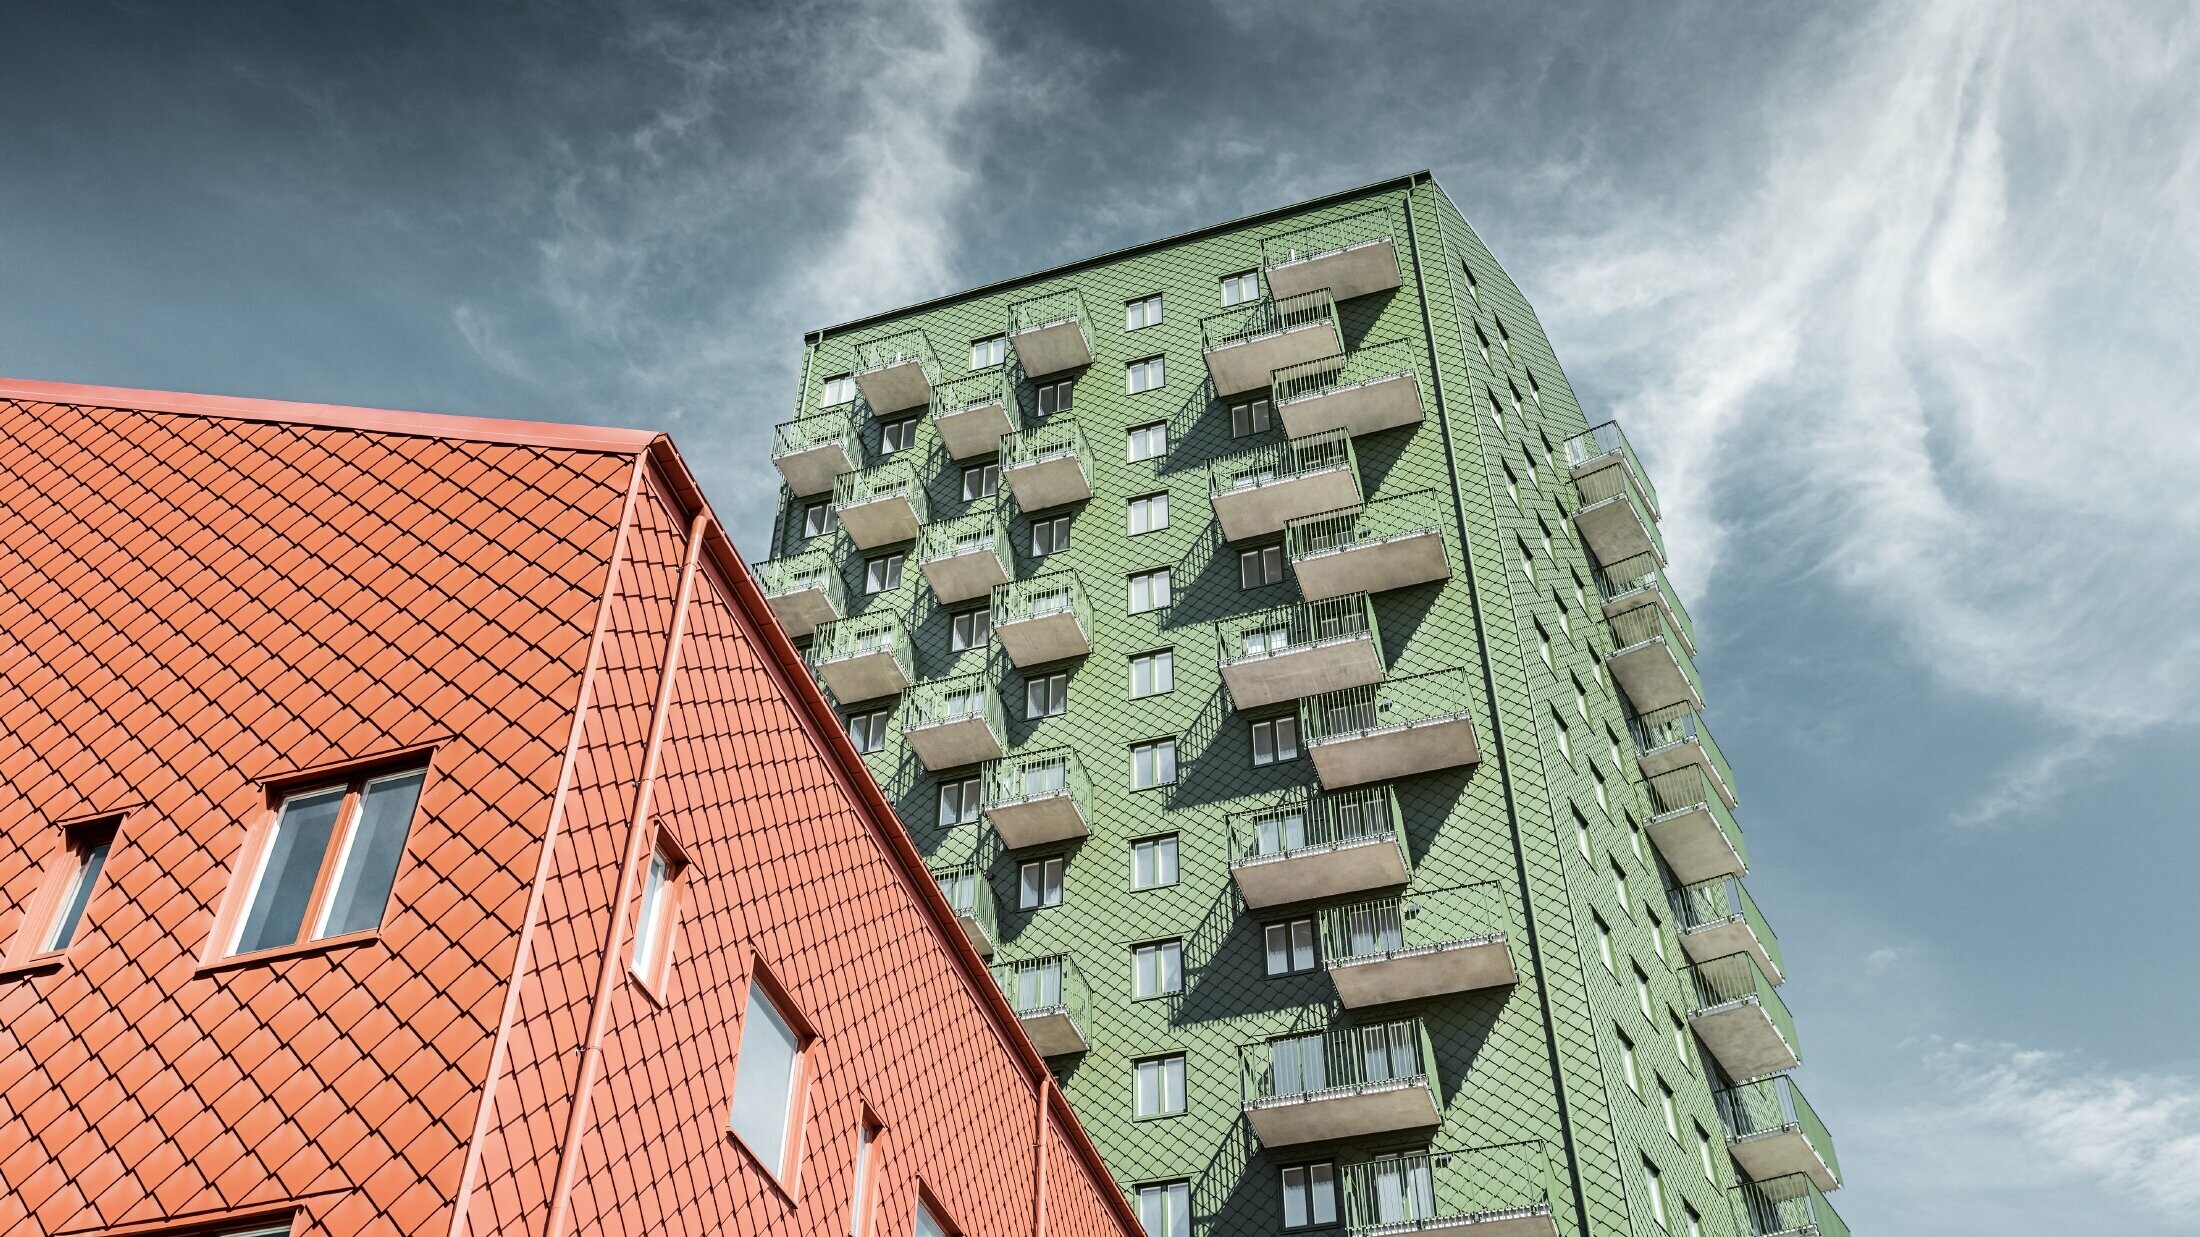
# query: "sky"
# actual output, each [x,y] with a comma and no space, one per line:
[1895,299]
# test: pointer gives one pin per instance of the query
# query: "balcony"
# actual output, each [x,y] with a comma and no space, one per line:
[1392,729]
[1034,799]
[1048,465]
[1740,1018]
[970,414]
[1504,1191]
[803,590]
[1319,845]
[810,451]
[1651,664]
[1618,515]
[1246,344]
[1050,1000]
[880,506]
[955,722]
[1421,945]
[1042,619]
[1352,256]
[1784,1207]
[1298,650]
[1693,830]
[1678,739]
[863,658]
[1048,333]
[1259,491]
[1649,587]
[1717,918]
[971,896]
[1349,1082]
[1360,392]
[1390,543]
[896,372]
[965,559]
[1773,1132]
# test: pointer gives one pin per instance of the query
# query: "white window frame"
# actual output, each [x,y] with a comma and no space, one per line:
[882,573]
[1315,1194]
[988,477]
[1146,442]
[1143,312]
[1056,397]
[988,352]
[1046,695]
[1057,535]
[1159,668]
[1163,864]
[1157,1086]
[1294,942]
[1039,883]
[965,793]
[1148,513]
[1157,753]
[1145,374]
[969,629]
[1157,586]
[1237,291]
[778,1027]
[1255,416]
[1153,965]
[897,436]
[1275,740]
[867,730]
[1260,567]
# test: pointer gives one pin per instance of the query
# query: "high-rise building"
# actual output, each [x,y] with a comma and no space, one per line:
[416,825]
[1277,668]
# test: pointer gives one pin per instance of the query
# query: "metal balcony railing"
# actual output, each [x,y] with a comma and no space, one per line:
[886,632]
[811,569]
[1371,227]
[1266,316]
[1616,587]
[1338,1062]
[1405,924]
[1385,519]
[1415,1193]
[1736,979]
[1770,1105]
[1312,821]
[1670,727]
[1707,904]
[1613,485]
[1036,987]
[1063,306]
[816,430]
[1037,775]
[1599,441]
[1057,438]
[970,894]
[899,348]
[989,386]
[1783,1206]
[977,532]
[892,479]
[1643,624]
[1056,592]
[1388,705]
[953,700]
[1390,359]
[1689,789]
[1280,461]
[1294,627]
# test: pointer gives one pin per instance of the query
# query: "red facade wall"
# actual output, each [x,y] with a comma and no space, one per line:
[198,599]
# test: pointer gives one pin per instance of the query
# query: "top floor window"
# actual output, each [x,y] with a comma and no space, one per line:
[1240,288]
[84,856]
[987,353]
[326,863]
[839,389]
[1143,312]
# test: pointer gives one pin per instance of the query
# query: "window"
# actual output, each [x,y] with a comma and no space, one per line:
[1149,513]
[1157,970]
[1153,764]
[1703,1156]
[1275,740]
[1290,947]
[1055,396]
[1249,418]
[1153,862]
[1695,1222]
[1310,1196]
[654,924]
[767,1081]
[816,518]
[1166,1209]
[839,389]
[1050,536]
[328,861]
[1671,1111]
[1527,562]
[1473,289]
[859,1202]
[1153,673]
[959,802]
[1619,887]
[1604,943]
[969,630]
[1148,442]
[1261,567]
[928,1225]
[1512,486]
[1565,740]
[1146,375]
[867,730]
[882,574]
[981,481]
[1543,645]
[1657,934]
[1581,831]
[897,436]
[85,850]
[1482,341]
[1627,1066]
[1653,1184]
[1238,289]
[1604,798]
[1680,1038]
[1142,313]
[1150,590]
[1634,836]
[1504,336]
[1046,695]
[987,353]
[1581,696]
[1039,883]
[1566,628]
[1160,1086]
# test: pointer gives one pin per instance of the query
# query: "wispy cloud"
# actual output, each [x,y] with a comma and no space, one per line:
[2136,1134]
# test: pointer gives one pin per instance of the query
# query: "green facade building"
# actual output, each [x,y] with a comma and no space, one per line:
[1277,666]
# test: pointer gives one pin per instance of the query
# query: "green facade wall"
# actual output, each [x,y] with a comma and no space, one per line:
[1536,1061]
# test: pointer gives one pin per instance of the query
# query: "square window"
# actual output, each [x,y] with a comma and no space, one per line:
[868,730]
[1274,740]
[1039,883]
[1049,536]
[1153,862]
[1149,513]
[1310,1196]
[768,1082]
[1157,969]
[1260,568]
[1290,947]
[839,389]
[1145,375]
[981,481]
[1153,764]
[816,519]
[1159,1086]
[959,802]
[1142,313]
[328,861]
[1149,590]
[882,574]
[1046,695]
[969,630]
[1165,1209]
[1153,673]
[1249,418]
[1148,442]
[895,436]
[83,856]
[1055,396]
[987,353]
[1240,288]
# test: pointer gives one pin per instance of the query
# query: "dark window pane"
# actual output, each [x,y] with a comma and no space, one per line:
[370,859]
[293,863]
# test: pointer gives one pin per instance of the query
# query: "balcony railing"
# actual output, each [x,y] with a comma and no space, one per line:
[810,451]
[1351,256]
[1299,649]
[1775,1132]
[1740,1018]
[1339,1083]
[1048,332]
[1617,523]
[1397,727]
[882,504]
[954,722]
[1646,587]
[863,658]
[1692,828]
[1050,999]
[1787,1205]
[1505,1191]
[1651,662]
[1319,844]
[1047,465]
[1262,489]
[1676,737]
[1369,389]
[1722,916]
[803,590]
[966,557]
[896,371]
[1246,344]
[1604,446]
[1042,619]
[1414,946]
[971,413]
[1037,797]
[970,894]
[1392,542]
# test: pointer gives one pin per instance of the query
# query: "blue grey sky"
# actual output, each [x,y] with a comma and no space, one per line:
[1896,299]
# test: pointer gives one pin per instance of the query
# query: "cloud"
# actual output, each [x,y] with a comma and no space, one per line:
[2136,1135]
